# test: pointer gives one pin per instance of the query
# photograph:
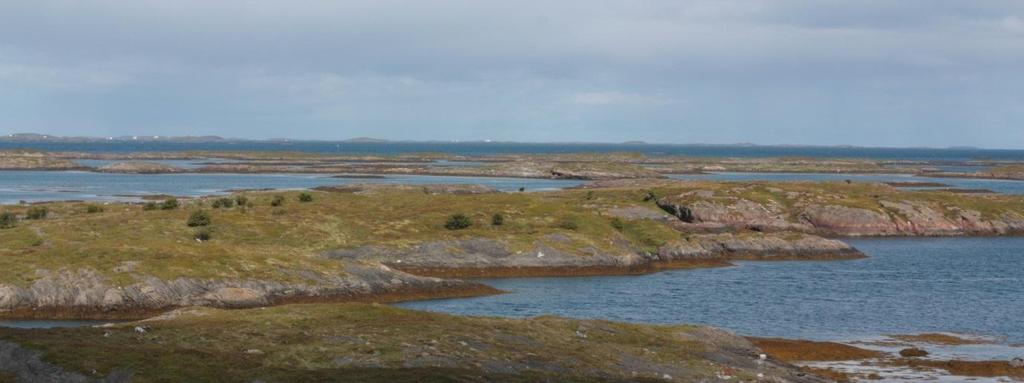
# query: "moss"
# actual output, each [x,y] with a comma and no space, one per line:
[320,341]
[266,242]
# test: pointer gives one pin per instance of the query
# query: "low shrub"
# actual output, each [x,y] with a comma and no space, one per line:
[497,219]
[277,201]
[203,234]
[458,222]
[198,218]
[8,220]
[169,204]
[241,200]
[93,208]
[617,224]
[305,197]
[568,225]
[37,212]
[223,203]
[149,206]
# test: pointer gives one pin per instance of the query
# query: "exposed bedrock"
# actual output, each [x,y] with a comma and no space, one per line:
[889,218]
[86,294]
[481,257]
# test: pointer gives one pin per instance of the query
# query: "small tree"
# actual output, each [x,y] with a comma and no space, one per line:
[93,208]
[458,222]
[305,197]
[37,212]
[277,201]
[198,218]
[241,200]
[497,219]
[8,220]
[169,204]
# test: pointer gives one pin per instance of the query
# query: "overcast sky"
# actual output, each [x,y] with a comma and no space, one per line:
[859,72]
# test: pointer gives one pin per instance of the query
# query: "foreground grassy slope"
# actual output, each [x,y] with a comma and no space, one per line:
[360,342]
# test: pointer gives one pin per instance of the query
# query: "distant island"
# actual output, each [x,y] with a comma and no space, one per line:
[38,137]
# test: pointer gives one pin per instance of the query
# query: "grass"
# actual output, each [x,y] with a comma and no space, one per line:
[265,242]
[286,343]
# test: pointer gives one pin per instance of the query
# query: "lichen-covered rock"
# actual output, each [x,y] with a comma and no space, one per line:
[850,221]
[757,246]
[85,293]
[138,167]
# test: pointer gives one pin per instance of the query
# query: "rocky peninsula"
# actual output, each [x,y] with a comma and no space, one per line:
[585,166]
[380,243]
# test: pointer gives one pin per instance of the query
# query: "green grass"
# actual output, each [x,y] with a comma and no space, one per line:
[306,341]
[264,242]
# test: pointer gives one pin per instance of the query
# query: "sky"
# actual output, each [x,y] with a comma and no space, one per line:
[807,72]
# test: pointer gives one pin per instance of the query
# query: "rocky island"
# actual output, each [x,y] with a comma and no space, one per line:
[384,243]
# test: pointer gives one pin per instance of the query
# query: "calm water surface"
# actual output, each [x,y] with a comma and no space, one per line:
[998,186]
[965,285]
[76,185]
[487,148]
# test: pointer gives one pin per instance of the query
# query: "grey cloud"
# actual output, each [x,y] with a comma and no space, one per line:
[773,71]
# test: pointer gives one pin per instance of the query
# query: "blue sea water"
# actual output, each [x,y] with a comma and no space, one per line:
[998,186]
[485,148]
[963,285]
[33,186]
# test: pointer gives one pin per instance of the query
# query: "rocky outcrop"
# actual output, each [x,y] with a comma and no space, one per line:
[87,294]
[698,210]
[33,160]
[842,220]
[757,247]
[481,257]
[426,188]
[138,167]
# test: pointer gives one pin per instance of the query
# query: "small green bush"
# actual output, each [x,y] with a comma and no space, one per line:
[223,203]
[650,196]
[8,220]
[497,219]
[617,224]
[589,195]
[522,189]
[37,212]
[458,222]
[198,218]
[169,204]
[93,208]
[149,206]
[241,200]
[203,234]
[568,225]
[305,197]
[277,201]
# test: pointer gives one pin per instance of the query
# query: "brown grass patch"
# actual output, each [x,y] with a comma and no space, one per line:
[987,368]
[789,350]
[936,338]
